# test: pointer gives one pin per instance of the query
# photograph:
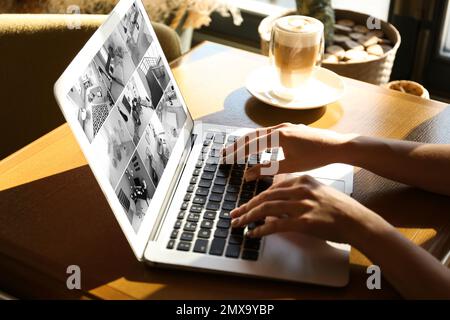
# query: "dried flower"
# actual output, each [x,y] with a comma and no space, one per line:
[175,13]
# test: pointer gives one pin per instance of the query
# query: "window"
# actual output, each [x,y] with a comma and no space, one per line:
[378,8]
[445,38]
[282,3]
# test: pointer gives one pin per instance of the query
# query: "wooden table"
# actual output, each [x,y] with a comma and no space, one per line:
[53,213]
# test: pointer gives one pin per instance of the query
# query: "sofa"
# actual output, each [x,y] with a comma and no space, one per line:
[34,51]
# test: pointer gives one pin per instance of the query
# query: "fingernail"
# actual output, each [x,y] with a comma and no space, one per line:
[235,222]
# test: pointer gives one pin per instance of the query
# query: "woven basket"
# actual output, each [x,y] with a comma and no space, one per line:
[376,71]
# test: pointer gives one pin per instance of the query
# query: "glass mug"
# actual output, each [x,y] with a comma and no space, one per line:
[296,48]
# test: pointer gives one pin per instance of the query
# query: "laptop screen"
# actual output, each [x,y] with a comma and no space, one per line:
[130,111]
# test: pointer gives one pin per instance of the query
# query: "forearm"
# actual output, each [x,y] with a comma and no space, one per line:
[426,166]
[409,268]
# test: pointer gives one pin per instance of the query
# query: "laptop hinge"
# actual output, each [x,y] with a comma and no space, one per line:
[172,188]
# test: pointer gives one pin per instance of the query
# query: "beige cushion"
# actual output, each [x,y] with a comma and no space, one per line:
[35,49]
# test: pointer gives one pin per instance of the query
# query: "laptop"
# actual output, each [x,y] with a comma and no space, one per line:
[160,170]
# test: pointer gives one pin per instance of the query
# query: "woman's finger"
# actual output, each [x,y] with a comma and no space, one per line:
[288,193]
[241,150]
[277,208]
[274,226]
[267,169]
[254,142]
[299,180]
[254,134]
[243,139]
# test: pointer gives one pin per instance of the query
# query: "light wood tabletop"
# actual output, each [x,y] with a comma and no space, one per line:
[53,213]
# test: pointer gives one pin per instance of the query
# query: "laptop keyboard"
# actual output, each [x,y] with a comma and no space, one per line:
[204,222]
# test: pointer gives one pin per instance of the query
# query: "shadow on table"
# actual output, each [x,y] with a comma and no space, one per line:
[434,130]
[401,205]
[267,115]
[258,114]
[61,220]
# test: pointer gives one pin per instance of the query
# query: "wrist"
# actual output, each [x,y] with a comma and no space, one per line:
[345,148]
[370,231]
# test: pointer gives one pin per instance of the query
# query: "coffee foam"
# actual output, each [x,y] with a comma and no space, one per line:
[299,31]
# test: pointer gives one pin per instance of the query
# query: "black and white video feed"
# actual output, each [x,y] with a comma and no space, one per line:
[154,150]
[171,114]
[152,72]
[135,191]
[154,63]
[135,33]
[115,64]
[136,107]
[114,147]
[92,100]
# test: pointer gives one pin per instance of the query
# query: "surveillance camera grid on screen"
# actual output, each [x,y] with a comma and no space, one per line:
[129,110]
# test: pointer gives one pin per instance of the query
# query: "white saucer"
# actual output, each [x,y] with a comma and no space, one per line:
[324,88]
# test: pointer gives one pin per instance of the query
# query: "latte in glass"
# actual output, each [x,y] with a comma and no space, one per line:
[296,48]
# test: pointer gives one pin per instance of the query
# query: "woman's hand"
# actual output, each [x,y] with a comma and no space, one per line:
[304,148]
[304,205]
